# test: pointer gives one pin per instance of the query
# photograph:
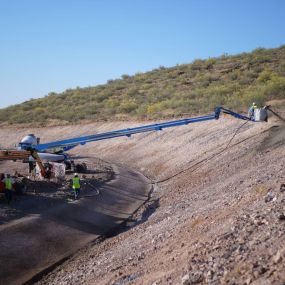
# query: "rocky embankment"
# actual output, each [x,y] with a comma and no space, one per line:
[216,215]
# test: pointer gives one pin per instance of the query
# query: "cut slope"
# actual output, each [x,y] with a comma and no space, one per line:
[212,223]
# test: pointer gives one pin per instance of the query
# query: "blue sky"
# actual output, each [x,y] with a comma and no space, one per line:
[50,46]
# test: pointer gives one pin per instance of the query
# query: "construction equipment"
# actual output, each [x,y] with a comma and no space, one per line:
[67,144]
[31,148]
[274,113]
[7,154]
[24,155]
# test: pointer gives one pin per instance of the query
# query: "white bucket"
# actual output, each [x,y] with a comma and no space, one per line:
[260,115]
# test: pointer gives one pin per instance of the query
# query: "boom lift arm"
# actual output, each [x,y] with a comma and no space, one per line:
[73,142]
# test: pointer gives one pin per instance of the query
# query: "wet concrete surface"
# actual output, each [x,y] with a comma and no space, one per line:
[35,242]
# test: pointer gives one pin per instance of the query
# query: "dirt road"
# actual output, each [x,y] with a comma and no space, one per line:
[32,243]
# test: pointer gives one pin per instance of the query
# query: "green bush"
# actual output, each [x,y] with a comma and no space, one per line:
[128,106]
[254,95]
[275,87]
[265,76]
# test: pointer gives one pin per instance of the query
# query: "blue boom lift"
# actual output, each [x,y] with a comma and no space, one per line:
[31,142]
[31,150]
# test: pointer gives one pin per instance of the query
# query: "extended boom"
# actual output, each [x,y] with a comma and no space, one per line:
[67,144]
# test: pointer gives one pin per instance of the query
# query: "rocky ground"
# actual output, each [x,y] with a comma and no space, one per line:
[216,215]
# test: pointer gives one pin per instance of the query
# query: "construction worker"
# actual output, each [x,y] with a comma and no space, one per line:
[2,184]
[76,186]
[8,188]
[251,110]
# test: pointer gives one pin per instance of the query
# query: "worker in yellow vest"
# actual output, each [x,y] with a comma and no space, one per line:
[251,110]
[76,185]
[8,188]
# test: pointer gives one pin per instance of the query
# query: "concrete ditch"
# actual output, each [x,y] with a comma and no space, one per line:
[33,244]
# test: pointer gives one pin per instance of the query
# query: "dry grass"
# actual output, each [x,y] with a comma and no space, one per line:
[197,221]
[260,190]
[239,270]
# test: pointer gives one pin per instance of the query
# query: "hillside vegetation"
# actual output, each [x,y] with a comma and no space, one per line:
[232,81]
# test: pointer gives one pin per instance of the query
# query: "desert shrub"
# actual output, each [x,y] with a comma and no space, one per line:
[257,69]
[39,109]
[132,92]
[234,75]
[198,64]
[125,76]
[154,108]
[128,106]
[141,111]
[111,103]
[210,63]
[245,79]
[282,67]
[100,97]
[265,76]
[275,87]
[203,80]
[18,118]
[235,102]
[140,77]
[254,95]
[216,100]
[27,106]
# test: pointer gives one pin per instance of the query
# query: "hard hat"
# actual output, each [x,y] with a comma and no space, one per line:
[75,174]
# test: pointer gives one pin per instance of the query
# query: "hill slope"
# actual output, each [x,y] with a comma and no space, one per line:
[234,81]
[210,223]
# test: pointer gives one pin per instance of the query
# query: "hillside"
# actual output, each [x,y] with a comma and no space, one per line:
[233,81]
[209,220]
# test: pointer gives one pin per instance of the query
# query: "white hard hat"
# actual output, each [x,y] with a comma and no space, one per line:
[75,174]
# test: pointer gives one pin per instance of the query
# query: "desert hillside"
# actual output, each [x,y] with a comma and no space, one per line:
[216,215]
[195,88]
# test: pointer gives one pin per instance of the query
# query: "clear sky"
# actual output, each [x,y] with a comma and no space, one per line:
[49,46]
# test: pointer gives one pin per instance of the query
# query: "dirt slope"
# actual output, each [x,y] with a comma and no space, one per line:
[209,224]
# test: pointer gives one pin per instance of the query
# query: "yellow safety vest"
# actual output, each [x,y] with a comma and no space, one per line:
[75,183]
[8,183]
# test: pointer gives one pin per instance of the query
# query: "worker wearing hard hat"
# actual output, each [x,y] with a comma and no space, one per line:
[251,110]
[76,185]
[8,188]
